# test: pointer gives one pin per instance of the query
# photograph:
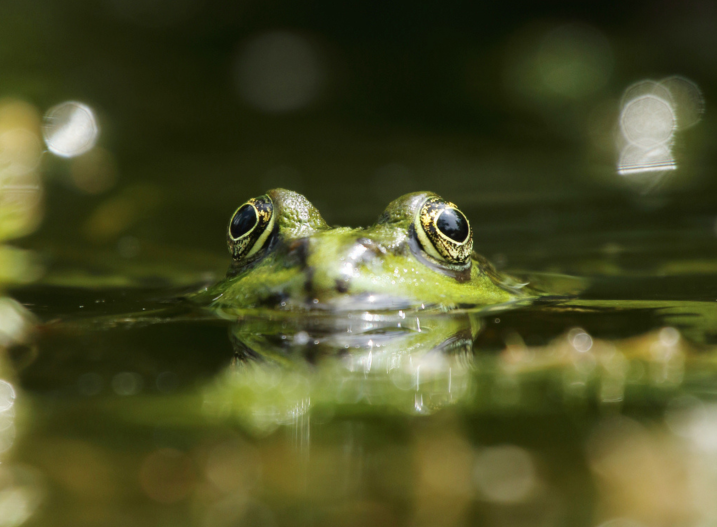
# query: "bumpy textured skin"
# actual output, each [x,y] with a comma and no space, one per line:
[309,265]
[296,217]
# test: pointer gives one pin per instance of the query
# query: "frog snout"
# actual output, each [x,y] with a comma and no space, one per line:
[332,263]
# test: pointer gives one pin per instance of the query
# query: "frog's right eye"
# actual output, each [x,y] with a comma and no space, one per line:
[250,227]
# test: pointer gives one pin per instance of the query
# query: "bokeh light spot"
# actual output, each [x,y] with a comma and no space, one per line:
[651,113]
[127,383]
[20,184]
[580,340]
[7,396]
[648,121]
[505,474]
[70,129]
[635,159]
[21,492]
[234,467]
[19,152]
[15,323]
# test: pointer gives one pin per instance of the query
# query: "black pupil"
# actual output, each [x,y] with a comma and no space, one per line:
[453,224]
[244,221]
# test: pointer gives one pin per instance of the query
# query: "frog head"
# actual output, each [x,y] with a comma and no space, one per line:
[418,255]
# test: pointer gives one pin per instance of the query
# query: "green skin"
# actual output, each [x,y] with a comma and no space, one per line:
[307,265]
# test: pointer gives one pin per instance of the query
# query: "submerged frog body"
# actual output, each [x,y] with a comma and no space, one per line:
[418,255]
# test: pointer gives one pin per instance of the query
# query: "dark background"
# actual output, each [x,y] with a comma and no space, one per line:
[411,96]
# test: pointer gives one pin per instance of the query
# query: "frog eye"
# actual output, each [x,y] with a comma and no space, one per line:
[444,232]
[250,227]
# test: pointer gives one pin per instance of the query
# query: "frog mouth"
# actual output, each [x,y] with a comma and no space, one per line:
[343,302]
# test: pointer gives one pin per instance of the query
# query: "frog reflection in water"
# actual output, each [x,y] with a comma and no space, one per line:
[418,255]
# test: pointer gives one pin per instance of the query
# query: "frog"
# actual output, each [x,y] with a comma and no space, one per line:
[418,255]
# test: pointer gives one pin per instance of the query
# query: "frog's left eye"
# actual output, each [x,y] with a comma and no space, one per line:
[444,232]
[250,227]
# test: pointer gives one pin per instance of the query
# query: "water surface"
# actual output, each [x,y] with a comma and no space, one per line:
[135,406]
